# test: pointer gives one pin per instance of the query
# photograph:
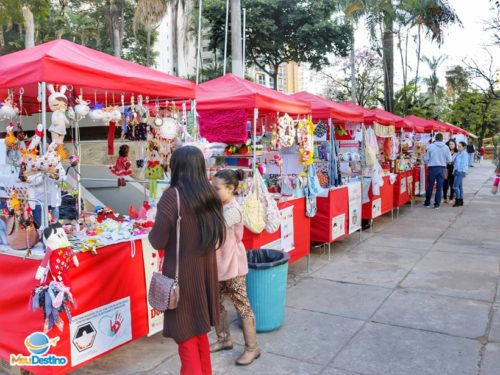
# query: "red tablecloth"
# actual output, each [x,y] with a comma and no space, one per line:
[387,200]
[100,279]
[416,181]
[337,203]
[302,233]
[403,188]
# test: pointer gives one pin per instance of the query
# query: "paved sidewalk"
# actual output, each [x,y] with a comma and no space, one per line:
[416,296]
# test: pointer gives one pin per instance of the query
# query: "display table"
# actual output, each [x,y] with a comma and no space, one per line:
[403,188]
[379,204]
[297,225]
[332,210]
[416,181]
[115,275]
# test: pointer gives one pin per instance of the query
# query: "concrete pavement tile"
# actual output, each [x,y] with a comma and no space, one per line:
[330,297]
[491,360]
[223,363]
[336,371]
[411,231]
[466,249]
[463,284]
[454,316]
[403,257]
[399,242]
[381,349]
[147,353]
[495,323]
[307,336]
[439,261]
[367,273]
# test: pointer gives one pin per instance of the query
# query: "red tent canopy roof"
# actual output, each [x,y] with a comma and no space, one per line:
[232,92]
[427,125]
[63,62]
[387,118]
[323,108]
[368,115]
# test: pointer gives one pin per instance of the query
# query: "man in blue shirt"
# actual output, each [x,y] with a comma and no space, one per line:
[436,158]
[460,169]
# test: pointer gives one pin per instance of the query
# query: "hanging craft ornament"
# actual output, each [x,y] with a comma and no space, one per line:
[82,109]
[58,104]
[305,136]
[7,109]
[320,129]
[286,131]
[168,129]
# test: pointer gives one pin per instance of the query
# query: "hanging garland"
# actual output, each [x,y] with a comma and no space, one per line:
[305,135]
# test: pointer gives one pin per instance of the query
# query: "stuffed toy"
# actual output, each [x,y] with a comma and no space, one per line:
[59,256]
[82,109]
[10,138]
[122,166]
[58,104]
[154,171]
[104,213]
[8,110]
[96,113]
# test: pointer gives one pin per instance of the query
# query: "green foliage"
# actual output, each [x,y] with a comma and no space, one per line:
[280,31]
[476,112]
[84,22]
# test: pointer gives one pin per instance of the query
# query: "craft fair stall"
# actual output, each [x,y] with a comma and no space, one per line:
[83,293]
[250,127]
[331,222]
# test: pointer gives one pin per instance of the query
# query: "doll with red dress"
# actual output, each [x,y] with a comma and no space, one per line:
[123,166]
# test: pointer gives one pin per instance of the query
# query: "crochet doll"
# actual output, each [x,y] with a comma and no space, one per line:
[122,166]
[154,171]
[58,104]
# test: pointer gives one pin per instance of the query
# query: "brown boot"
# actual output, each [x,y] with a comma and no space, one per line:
[252,351]
[224,340]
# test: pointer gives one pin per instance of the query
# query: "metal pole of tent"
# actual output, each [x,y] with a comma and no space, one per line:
[254,138]
[78,170]
[45,209]
[244,39]
[225,36]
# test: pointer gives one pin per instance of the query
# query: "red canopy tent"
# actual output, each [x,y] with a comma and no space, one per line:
[427,125]
[368,115]
[323,108]
[95,73]
[232,92]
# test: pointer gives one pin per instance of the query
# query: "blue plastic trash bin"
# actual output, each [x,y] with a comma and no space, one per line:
[266,287]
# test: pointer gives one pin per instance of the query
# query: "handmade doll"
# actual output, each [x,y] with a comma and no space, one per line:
[58,104]
[59,256]
[154,171]
[122,166]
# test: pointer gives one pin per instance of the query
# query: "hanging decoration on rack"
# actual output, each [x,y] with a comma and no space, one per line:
[305,138]
[123,166]
[8,110]
[320,129]
[58,104]
[154,169]
[286,131]
[82,109]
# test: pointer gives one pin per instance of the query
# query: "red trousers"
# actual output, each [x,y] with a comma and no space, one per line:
[195,356]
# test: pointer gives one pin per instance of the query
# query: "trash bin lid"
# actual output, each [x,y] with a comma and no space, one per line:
[266,258]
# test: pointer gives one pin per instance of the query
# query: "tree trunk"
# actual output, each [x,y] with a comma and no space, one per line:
[116,39]
[404,67]
[175,34]
[353,71]
[419,46]
[148,45]
[275,77]
[236,41]
[388,57]
[29,25]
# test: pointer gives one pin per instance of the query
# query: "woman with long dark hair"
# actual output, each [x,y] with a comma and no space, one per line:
[202,232]
[449,177]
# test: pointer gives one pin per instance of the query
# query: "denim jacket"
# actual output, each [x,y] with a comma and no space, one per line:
[461,163]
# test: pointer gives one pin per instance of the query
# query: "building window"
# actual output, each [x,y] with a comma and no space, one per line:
[206,49]
[207,61]
[261,80]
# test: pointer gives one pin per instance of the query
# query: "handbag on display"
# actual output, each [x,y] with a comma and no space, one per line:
[21,237]
[254,217]
[164,291]
[320,129]
[272,212]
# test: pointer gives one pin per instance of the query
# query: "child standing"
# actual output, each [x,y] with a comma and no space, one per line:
[232,268]
[460,170]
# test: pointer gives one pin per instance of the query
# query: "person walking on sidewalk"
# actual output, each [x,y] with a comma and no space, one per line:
[202,231]
[448,175]
[471,150]
[460,170]
[496,179]
[437,157]
[232,265]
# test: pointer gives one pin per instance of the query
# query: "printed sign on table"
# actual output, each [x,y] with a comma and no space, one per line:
[287,236]
[99,330]
[402,188]
[338,226]
[354,190]
[376,208]
[151,264]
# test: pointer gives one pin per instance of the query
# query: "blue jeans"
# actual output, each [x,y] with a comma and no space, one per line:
[471,160]
[458,185]
[436,174]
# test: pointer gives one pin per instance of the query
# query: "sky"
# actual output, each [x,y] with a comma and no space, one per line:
[459,42]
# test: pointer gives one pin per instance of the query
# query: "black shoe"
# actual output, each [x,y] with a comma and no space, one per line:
[427,206]
[461,202]
[457,203]
[437,207]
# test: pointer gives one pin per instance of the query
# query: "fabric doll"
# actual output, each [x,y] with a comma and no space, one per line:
[122,166]
[154,172]
[58,104]
[59,256]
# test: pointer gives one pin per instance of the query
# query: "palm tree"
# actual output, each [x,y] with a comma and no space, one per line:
[432,81]
[381,15]
[149,13]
